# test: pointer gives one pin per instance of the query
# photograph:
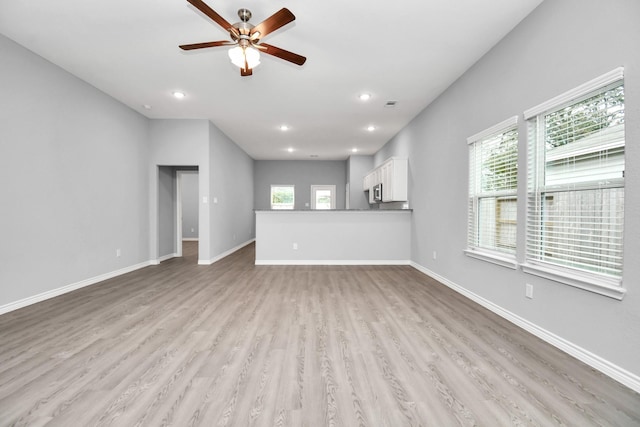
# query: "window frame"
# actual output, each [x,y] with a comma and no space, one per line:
[288,206]
[505,258]
[537,188]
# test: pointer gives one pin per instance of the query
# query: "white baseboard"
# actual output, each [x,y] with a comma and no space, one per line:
[93,280]
[189,239]
[616,372]
[331,262]
[68,288]
[225,253]
[167,257]
[157,261]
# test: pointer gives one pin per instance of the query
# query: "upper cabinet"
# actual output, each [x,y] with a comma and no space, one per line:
[393,175]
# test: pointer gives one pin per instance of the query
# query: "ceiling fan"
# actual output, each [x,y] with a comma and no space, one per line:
[246,37]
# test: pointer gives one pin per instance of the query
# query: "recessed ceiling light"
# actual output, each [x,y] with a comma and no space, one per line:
[147,107]
[284,128]
[364,96]
[371,128]
[290,150]
[354,150]
[179,95]
[390,104]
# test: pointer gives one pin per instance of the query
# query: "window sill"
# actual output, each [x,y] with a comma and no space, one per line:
[494,258]
[611,288]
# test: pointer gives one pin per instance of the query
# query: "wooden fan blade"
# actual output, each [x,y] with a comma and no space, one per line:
[202,7]
[272,23]
[281,53]
[205,44]
[246,72]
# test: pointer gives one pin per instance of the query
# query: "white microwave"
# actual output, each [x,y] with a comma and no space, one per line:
[377,193]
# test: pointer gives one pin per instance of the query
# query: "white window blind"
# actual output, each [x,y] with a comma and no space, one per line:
[493,182]
[575,190]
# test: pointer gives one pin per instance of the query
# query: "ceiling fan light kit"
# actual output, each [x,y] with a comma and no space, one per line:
[245,37]
[244,56]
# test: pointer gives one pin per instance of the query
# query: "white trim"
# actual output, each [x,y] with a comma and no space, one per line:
[189,239]
[69,288]
[331,262]
[165,258]
[332,190]
[500,127]
[619,374]
[583,89]
[498,259]
[225,253]
[271,197]
[179,212]
[611,288]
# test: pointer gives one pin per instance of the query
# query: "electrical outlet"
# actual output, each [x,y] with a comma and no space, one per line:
[118,252]
[435,255]
[528,290]
[295,246]
[193,230]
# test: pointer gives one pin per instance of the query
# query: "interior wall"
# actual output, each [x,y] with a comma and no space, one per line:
[189,192]
[74,180]
[167,210]
[341,238]
[231,182]
[175,143]
[301,173]
[358,167]
[561,45]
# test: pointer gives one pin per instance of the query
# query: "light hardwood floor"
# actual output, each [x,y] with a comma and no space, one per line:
[235,344]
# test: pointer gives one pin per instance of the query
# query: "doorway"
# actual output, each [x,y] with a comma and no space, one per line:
[187,218]
[323,197]
[178,212]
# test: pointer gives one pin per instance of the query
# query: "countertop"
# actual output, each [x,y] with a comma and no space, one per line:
[334,210]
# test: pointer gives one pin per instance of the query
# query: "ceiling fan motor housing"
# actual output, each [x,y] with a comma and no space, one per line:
[244,27]
[244,14]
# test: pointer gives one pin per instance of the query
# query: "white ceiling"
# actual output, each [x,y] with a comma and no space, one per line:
[407,51]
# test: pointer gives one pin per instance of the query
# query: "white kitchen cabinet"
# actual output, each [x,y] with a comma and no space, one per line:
[393,174]
[368,182]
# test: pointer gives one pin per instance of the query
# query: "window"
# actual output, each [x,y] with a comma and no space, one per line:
[323,197]
[575,190]
[493,183]
[282,196]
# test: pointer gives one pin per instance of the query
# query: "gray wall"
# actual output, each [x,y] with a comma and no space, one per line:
[74,179]
[86,177]
[189,191]
[232,221]
[343,237]
[167,204]
[357,168]
[174,144]
[225,184]
[302,174]
[561,45]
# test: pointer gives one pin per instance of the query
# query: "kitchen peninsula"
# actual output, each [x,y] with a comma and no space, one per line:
[333,237]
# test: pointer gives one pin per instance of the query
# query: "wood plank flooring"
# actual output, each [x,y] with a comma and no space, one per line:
[235,344]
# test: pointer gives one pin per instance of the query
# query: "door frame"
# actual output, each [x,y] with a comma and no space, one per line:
[330,187]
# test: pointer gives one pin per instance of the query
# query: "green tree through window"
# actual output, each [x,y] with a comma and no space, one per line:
[282,196]
[577,121]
